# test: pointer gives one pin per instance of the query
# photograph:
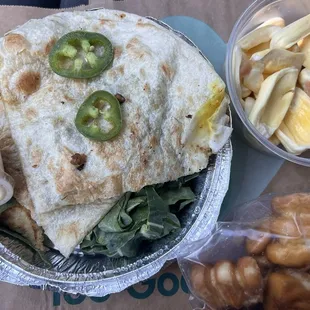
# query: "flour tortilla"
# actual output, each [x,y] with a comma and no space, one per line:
[67,227]
[174,116]
[18,217]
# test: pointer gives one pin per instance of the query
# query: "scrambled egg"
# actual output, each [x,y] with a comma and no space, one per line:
[210,124]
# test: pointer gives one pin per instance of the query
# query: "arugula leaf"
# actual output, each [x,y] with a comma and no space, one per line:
[181,181]
[124,219]
[186,202]
[47,242]
[131,248]
[97,249]
[19,237]
[112,222]
[158,210]
[171,223]
[12,234]
[116,241]
[143,216]
[172,196]
[88,241]
[188,178]
[135,202]
[7,205]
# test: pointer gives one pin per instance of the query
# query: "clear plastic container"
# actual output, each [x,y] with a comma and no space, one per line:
[257,13]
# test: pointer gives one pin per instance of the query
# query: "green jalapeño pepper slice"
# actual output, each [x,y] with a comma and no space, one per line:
[81,55]
[99,117]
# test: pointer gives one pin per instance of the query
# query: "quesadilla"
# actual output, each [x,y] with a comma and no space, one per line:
[174,117]
[18,217]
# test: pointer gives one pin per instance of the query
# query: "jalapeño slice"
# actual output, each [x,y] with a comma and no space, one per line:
[81,55]
[99,117]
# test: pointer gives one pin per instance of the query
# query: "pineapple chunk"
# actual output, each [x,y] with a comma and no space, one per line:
[304,80]
[305,48]
[294,131]
[248,105]
[258,36]
[291,34]
[273,101]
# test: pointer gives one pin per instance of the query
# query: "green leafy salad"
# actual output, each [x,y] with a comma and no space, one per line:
[14,235]
[147,215]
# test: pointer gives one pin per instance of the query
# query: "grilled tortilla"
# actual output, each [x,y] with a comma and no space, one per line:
[66,228]
[174,115]
[17,217]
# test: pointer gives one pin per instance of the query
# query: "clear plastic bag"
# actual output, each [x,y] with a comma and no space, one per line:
[258,259]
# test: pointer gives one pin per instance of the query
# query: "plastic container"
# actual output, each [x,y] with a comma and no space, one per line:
[257,13]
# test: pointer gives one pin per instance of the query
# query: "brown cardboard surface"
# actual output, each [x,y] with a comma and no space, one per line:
[163,291]
[219,14]
[167,290]
[290,178]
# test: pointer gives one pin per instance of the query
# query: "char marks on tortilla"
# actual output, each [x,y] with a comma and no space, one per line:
[163,80]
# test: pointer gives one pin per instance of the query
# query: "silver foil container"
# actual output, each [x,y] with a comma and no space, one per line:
[99,275]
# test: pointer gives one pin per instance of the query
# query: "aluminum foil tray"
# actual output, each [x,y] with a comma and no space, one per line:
[99,275]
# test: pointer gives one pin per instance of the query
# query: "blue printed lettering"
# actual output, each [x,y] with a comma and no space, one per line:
[56,299]
[147,293]
[100,299]
[74,299]
[161,284]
